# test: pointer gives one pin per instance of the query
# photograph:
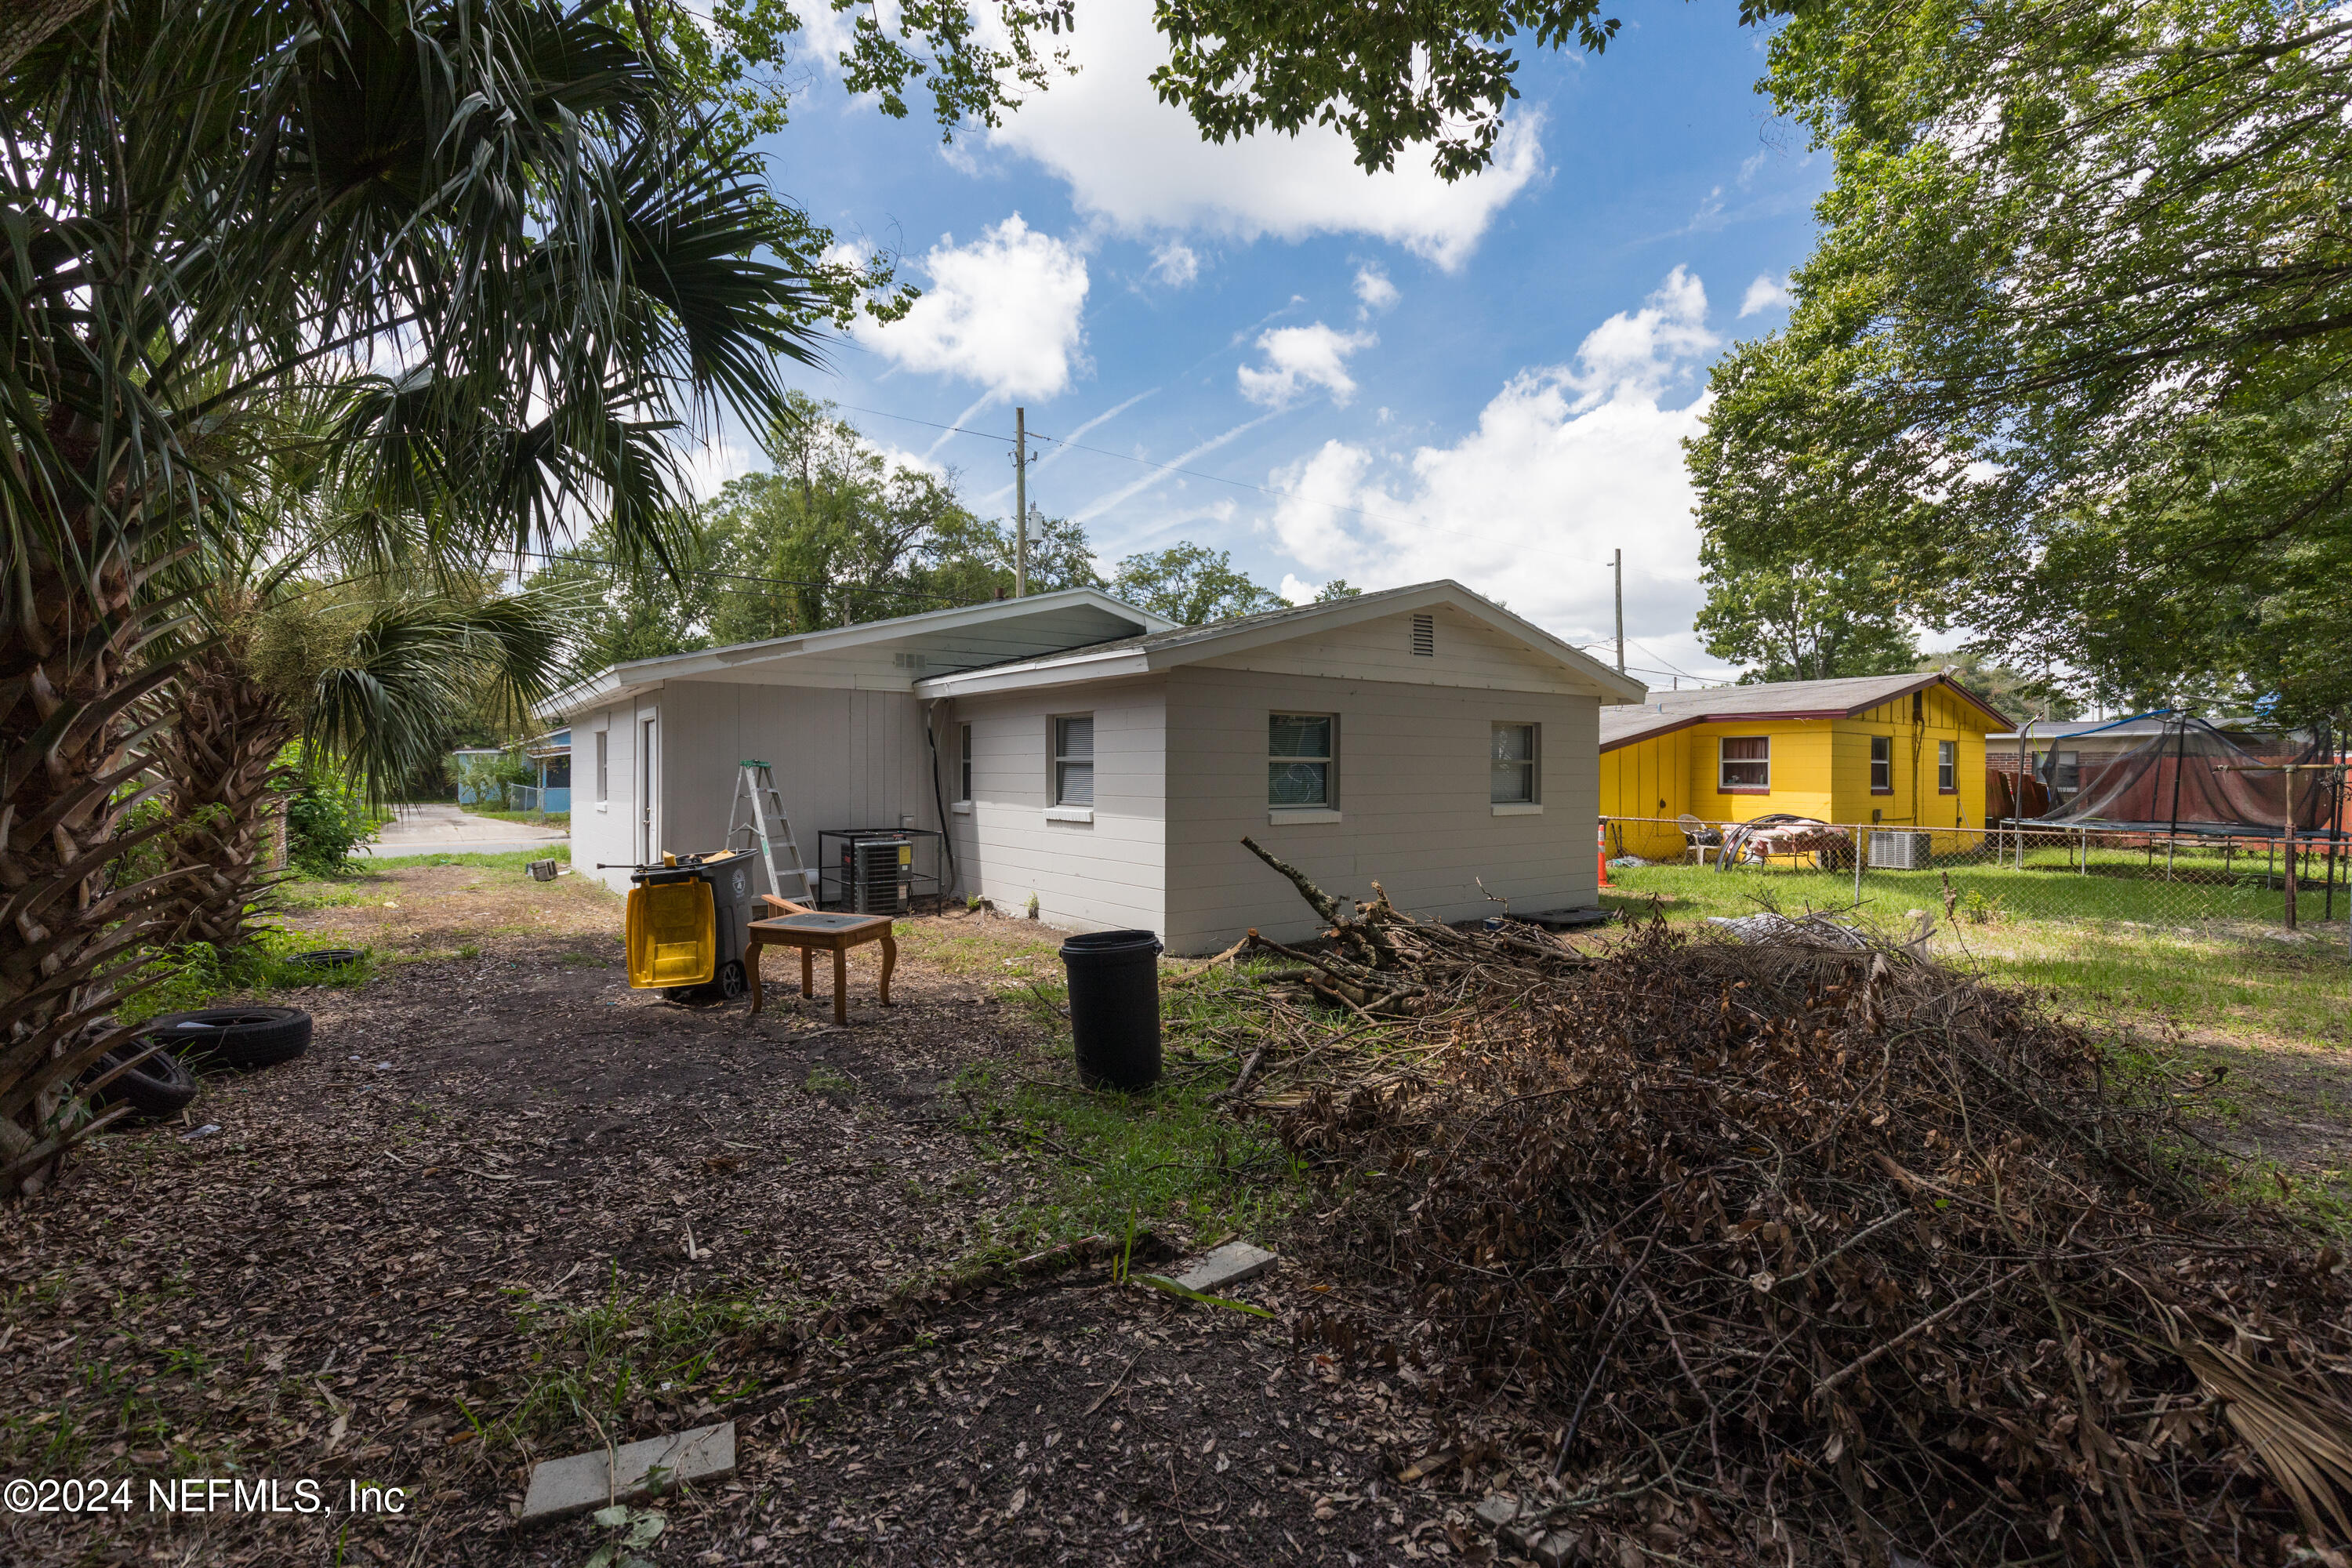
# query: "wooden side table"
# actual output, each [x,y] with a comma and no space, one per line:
[811,931]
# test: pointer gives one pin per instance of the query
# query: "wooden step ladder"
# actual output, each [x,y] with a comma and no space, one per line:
[756,790]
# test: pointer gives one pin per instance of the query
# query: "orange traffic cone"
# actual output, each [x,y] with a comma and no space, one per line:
[1600,854]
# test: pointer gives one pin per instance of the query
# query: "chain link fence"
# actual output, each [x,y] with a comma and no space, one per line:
[1981,875]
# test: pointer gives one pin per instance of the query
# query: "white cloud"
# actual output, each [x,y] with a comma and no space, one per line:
[1175,265]
[1749,167]
[714,461]
[1141,166]
[1297,590]
[1005,312]
[1765,294]
[1568,462]
[1635,356]
[1298,358]
[1374,290]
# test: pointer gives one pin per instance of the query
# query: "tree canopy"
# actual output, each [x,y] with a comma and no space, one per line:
[1192,584]
[2068,360]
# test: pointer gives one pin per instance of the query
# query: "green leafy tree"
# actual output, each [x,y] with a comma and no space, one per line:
[2068,357]
[1191,584]
[1337,588]
[1797,621]
[2018,693]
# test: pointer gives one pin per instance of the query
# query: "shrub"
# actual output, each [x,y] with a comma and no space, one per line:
[326,816]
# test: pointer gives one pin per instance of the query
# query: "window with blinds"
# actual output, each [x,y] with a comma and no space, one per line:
[1073,761]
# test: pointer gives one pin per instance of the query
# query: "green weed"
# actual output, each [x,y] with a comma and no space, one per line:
[198,974]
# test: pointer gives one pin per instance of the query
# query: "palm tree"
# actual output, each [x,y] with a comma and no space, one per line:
[489,239]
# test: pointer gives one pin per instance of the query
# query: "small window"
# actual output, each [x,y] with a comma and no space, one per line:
[1425,637]
[1746,765]
[1511,769]
[2066,773]
[963,762]
[1882,764]
[603,771]
[1073,761]
[1298,759]
[1948,767]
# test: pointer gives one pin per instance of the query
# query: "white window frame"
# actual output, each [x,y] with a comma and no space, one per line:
[603,766]
[1723,784]
[1877,761]
[963,763]
[1057,738]
[1329,759]
[1531,765]
[1948,767]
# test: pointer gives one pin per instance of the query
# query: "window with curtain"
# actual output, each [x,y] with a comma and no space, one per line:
[1298,759]
[1744,763]
[1511,765]
[1073,761]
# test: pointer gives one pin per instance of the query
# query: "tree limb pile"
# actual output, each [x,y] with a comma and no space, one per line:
[1803,1255]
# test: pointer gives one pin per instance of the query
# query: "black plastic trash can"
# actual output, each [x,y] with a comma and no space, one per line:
[1115,1007]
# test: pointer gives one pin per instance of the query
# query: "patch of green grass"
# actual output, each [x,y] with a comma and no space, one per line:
[199,974]
[979,953]
[1168,1156]
[2122,884]
[2218,980]
[822,1079]
[515,860]
[589,1366]
[584,960]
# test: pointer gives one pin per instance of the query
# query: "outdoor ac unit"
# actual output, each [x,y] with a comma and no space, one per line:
[1900,851]
[881,875]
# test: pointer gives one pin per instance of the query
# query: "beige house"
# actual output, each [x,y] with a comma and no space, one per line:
[1095,758]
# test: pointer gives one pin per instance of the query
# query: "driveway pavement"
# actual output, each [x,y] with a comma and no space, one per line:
[446,829]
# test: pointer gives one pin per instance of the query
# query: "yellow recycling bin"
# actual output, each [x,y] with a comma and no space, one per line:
[672,933]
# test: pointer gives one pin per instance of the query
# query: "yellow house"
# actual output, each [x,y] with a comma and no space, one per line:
[1897,748]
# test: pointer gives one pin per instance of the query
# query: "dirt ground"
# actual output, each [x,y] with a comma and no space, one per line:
[502,1186]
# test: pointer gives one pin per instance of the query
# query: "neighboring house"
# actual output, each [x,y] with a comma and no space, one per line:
[1107,763]
[549,755]
[1907,749]
[2065,754]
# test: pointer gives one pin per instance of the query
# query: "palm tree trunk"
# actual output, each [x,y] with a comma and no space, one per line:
[219,758]
[74,701]
[25,24]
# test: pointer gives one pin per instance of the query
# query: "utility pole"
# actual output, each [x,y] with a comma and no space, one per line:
[1621,612]
[1020,504]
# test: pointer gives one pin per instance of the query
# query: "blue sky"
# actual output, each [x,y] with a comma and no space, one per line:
[1402,379]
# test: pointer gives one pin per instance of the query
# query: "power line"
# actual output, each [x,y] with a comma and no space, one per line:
[748,577]
[1172,468]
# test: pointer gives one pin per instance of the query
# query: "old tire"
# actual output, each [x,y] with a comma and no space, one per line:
[328,958]
[239,1038]
[158,1087]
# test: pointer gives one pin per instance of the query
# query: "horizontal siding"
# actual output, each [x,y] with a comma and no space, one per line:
[1412,792]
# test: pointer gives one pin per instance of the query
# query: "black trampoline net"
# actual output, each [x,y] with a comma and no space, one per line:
[2193,778]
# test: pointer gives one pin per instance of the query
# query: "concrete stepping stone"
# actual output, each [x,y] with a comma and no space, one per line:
[1227,1265]
[582,1483]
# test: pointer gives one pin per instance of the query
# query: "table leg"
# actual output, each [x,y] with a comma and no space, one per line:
[841,986]
[751,971]
[890,962]
[808,972]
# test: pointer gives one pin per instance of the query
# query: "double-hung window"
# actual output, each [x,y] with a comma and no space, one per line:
[1744,764]
[963,762]
[1074,759]
[1298,761]
[1948,767]
[1511,765]
[604,770]
[1882,764]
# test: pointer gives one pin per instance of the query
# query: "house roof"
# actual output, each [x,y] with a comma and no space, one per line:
[2127,729]
[1775,700]
[882,654]
[1168,648]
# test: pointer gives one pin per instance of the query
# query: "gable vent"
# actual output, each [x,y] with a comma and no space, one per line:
[1425,637]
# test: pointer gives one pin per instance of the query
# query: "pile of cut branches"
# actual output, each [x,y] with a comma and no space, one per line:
[1797,1254]
[1379,963]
